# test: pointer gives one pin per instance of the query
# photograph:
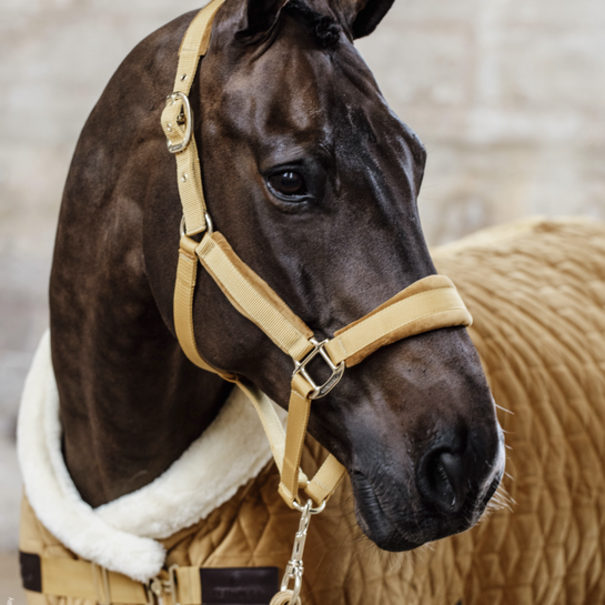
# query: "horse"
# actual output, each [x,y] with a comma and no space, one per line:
[314,181]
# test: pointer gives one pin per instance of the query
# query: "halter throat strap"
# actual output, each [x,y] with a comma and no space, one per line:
[429,304]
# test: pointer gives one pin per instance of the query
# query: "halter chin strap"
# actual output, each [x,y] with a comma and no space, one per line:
[428,304]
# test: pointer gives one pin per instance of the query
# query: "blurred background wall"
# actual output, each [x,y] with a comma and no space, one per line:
[509,98]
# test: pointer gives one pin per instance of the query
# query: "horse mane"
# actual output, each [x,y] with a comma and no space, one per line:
[324,29]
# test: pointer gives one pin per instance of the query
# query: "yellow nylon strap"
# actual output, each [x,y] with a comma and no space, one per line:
[65,577]
[189,178]
[270,420]
[190,188]
[195,45]
[326,480]
[186,277]
[428,304]
[253,297]
[189,586]
[298,418]
[80,579]
[183,318]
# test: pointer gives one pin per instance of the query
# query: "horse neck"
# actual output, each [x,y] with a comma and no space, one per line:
[130,402]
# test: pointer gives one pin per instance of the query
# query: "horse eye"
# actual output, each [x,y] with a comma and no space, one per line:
[288,183]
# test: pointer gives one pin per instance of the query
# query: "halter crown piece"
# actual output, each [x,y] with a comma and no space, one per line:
[430,303]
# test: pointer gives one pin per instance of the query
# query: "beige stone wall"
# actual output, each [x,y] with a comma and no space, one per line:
[509,98]
[56,57]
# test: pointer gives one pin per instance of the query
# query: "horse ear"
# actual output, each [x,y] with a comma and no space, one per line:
[369,15]
[258,18]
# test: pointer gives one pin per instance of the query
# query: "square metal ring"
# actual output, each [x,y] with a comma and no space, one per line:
[300,367]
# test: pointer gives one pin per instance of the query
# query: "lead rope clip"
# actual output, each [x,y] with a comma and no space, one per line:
[295,569]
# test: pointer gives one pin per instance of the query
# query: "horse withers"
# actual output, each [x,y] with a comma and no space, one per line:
[314,181]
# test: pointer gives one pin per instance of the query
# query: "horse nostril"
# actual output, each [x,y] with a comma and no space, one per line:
[443,481]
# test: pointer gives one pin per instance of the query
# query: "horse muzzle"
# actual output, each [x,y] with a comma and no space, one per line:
[444,493]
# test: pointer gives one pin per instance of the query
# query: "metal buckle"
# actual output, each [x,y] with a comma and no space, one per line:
[209,225]
[157,588]
[186,118]
[148,595]
[300,367]
[172,583]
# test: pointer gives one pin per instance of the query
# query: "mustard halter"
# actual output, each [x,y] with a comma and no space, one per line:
[428,304]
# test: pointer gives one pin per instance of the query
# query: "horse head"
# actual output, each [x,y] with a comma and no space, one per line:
[314,181]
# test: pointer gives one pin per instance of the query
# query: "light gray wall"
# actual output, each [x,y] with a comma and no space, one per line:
[509,98]
[56,57]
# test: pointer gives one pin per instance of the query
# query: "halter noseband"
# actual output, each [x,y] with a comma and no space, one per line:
[428,304]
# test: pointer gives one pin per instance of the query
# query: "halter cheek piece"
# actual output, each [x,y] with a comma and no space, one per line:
[428,304]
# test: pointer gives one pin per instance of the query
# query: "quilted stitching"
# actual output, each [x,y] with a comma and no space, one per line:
[537,299]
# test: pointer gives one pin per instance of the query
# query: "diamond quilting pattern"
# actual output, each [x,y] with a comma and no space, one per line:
[538,302]
[537,295]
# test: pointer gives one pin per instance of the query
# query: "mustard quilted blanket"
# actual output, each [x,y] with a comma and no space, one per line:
[537,295]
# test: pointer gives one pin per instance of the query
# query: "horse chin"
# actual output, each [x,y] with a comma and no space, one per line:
[390,535]
[372,519]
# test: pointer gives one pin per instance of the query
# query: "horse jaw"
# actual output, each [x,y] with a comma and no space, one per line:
[415,426]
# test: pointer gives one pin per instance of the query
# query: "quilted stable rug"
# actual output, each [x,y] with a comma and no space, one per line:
[537,294]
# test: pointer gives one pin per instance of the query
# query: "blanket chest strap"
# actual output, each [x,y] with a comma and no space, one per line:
[60,576]
[179,585]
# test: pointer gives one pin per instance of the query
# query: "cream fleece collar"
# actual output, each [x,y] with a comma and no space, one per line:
[121,535]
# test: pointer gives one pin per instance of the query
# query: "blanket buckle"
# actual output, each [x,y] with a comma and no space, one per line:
[158,587]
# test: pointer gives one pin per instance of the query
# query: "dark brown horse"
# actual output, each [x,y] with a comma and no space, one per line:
[314,181]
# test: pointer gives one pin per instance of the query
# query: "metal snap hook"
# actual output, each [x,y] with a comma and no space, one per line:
[294,569]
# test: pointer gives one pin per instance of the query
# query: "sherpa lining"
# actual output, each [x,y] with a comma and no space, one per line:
[120,535]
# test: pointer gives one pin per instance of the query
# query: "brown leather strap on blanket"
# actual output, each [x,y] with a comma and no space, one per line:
[428,304]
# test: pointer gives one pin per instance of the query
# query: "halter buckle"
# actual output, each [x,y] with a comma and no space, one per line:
[186,118]
[300,367]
